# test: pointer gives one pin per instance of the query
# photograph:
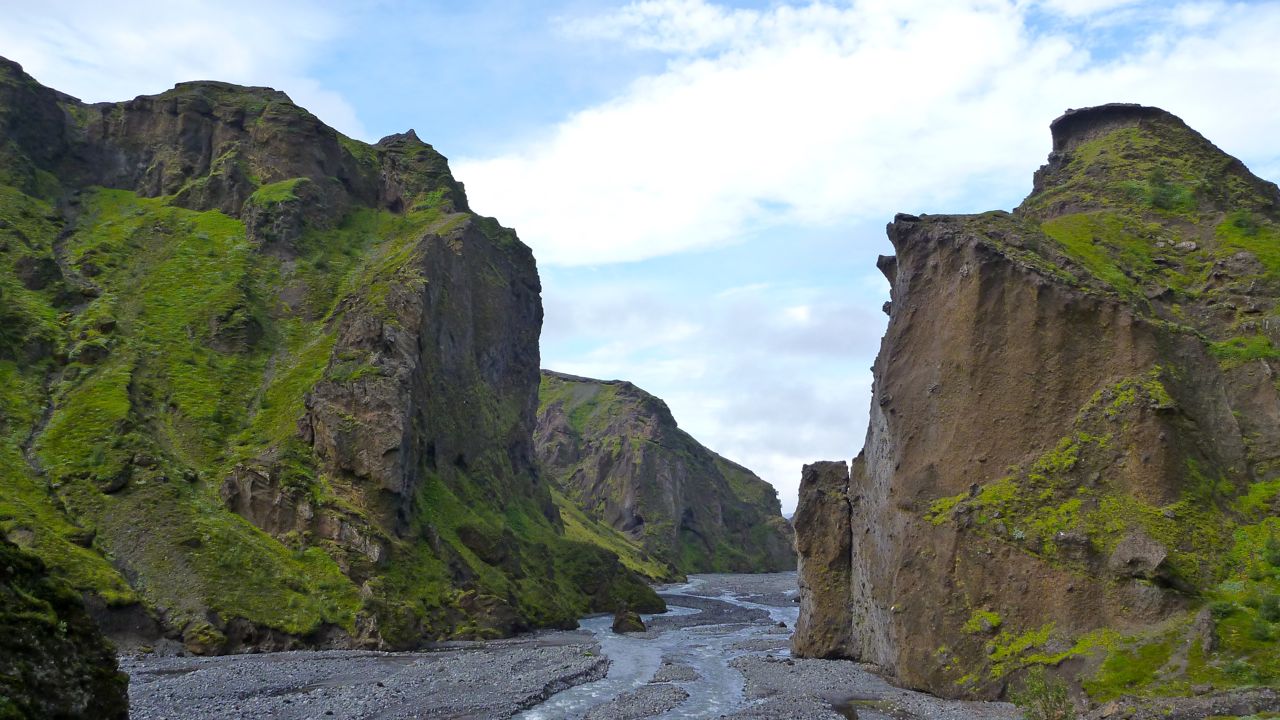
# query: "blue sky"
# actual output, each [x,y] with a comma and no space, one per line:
[705,185]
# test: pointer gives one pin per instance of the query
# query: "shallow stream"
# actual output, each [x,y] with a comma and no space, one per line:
[707,631]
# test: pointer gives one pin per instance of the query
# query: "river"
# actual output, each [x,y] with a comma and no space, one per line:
[719,652]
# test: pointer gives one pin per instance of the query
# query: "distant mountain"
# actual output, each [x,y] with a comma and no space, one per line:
[616,454]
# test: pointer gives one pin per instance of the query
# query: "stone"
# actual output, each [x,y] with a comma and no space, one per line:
[627,621]
[1138,556]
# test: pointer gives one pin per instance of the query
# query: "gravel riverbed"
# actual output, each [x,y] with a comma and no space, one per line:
[719,653]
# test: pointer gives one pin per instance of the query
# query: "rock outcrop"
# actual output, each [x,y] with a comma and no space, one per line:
[54,663]
[616,453]
[1074,432]
[823,542]
[264,386]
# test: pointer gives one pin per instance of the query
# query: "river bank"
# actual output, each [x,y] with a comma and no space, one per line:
[721,651]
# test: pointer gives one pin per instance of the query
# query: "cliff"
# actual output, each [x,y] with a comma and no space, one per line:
[265,386]
[616,453]
[1075,432]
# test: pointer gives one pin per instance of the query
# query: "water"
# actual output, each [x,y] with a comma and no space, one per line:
[702,638]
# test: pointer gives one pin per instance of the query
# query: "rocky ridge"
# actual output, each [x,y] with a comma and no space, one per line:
[620,460]
[264,386]
[1074,437]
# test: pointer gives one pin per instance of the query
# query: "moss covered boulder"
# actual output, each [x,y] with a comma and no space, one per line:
[54,663]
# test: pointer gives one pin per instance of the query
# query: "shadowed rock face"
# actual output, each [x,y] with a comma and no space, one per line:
[616,452]
[270,386]
[53,661]
[1074,429]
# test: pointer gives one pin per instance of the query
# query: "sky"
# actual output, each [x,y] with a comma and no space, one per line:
[705,185]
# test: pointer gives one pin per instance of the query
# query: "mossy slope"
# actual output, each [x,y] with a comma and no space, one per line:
[274,384]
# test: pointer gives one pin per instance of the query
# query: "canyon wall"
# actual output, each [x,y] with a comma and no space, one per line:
[1074,435]
[265,386]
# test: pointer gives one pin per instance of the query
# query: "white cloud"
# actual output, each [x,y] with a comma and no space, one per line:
[1079,8]
[770,377]
[825,115]
[103,51]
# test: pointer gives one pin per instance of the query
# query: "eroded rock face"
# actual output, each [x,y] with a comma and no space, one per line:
[824,544]
[1064,418]
[616,452]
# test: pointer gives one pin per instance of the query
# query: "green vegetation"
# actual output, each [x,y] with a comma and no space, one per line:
[580,528]
[1043,698]
[1240,350]
[983,621]
[158,368]
[277,192]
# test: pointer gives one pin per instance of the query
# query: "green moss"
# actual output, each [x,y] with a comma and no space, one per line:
[1259,499]
[982,621]
[580,528]
[1007,648]
[1240,350]
[1245,231]
[1129,670]
[1107,245]
[277,192]
[940,510]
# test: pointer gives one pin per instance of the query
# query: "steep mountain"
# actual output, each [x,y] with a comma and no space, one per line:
[619,458]
[53,660]
[262,385]
[1074,445]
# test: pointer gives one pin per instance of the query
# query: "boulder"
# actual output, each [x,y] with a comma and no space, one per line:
[627,621]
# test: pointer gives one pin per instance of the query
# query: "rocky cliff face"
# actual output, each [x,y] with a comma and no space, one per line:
[53,660]
[616,452]
[1074,435]
[262,385]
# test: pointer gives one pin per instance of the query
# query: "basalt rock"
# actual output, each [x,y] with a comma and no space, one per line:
[616,453]
[1074,432]
[285,381]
